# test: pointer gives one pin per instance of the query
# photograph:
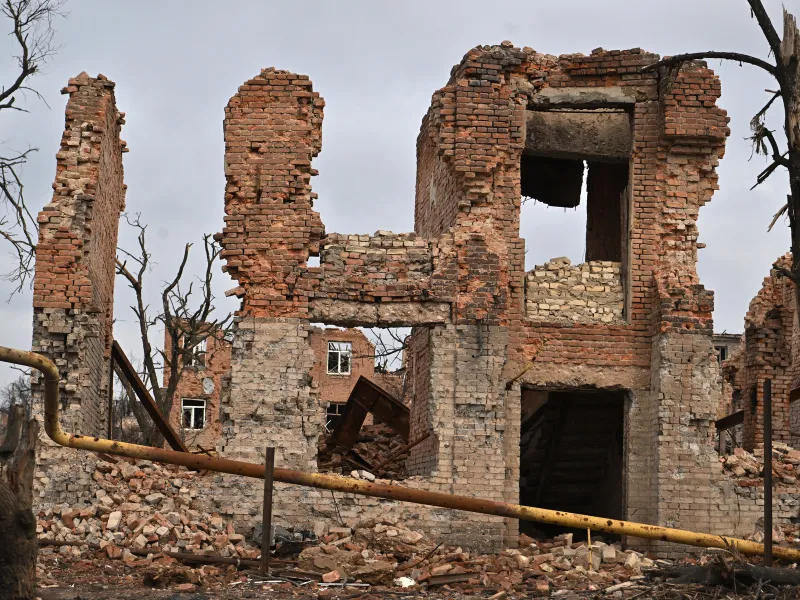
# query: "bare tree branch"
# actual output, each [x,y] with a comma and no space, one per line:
[31,24]
[679,59]
[186,318]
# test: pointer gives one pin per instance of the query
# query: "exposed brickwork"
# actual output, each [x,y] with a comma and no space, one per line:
[767,353]
[74,281]
[272,131]
[560,292]
[460,281]
[469,256]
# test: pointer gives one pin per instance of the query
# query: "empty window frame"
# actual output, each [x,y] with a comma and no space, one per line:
[197,356]
[333,414]
[722,352]
[194,413]
[340,356]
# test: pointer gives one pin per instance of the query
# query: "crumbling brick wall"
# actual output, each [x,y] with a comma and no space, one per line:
[767,353]
[461,280]
[74,281]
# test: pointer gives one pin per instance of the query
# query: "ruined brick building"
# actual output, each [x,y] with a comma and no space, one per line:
[769,351]
[591,387]
[341,356]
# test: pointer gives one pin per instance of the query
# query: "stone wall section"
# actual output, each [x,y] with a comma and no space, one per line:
[560,292]
[73,289]
[386,267]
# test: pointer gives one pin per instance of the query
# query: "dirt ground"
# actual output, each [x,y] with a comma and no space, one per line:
[62,578]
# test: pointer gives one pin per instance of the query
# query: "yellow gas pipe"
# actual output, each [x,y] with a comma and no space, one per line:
[364,488]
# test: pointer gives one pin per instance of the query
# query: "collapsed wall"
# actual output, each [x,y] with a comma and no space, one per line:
[769,351]
[73,288]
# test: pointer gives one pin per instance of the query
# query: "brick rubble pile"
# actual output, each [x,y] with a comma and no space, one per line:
[142,509]
[141,506]
[375,443]
[748,467]
[385,552]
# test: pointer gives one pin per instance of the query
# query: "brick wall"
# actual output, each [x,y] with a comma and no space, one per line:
[460,281]
[767,353]
[335,387]
[557,291]
[73,289]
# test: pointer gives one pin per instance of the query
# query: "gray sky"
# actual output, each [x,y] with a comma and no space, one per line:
[176,64]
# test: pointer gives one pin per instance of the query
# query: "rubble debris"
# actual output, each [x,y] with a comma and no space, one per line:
[386,555]
[375,443]
[142,506]
[748,467]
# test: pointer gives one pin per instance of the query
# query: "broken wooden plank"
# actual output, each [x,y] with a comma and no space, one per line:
[367,397]
[126,368]
[732,420]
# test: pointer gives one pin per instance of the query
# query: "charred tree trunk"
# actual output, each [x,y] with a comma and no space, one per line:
[18,545]
[790,61]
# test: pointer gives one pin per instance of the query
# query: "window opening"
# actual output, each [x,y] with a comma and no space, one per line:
[194,413]
[334,413]
[575,159]
[339,357]
[722,352]
[197,356]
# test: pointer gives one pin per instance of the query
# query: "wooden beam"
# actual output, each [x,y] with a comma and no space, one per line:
[126,368]
[732,420]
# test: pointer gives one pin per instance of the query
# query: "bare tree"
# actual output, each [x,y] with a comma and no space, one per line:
[187,322]
[390,344]
[786,71]
[17,393]
[31,23]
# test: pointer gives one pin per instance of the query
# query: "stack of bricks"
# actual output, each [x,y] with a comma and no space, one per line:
[74,280]
[557,291]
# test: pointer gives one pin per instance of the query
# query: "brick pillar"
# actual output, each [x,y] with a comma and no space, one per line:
[73,290]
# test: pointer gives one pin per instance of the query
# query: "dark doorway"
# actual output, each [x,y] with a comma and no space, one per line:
[571,454]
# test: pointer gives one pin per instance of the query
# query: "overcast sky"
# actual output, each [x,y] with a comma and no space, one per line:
[176,64]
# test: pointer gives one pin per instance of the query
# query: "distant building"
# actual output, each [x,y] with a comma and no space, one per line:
[342,356]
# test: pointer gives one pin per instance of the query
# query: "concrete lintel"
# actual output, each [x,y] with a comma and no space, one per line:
[576,376]
[346,313]
[581,97]
[589,135]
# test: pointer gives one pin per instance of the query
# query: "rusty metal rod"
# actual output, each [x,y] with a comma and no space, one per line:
[266,519]
[768,473]
[364,488]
